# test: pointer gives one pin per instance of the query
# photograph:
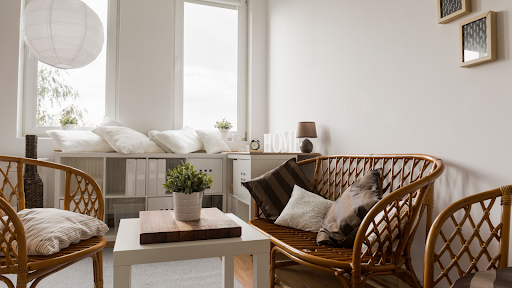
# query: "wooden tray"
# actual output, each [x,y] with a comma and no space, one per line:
[161,227]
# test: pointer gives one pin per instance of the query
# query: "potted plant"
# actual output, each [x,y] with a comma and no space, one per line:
[68,122]
[223,127]
[187,186]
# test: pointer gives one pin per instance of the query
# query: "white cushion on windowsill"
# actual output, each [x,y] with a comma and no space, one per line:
[79,141]
[182,141]
[126,141]
[212,141]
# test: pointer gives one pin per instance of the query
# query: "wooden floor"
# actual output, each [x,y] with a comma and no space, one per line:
[299,276]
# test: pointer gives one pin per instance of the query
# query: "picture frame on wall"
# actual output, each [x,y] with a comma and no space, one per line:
[449,10]
[477,40]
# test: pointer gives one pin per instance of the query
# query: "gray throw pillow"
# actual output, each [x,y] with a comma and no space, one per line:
[272,190]
[340,225]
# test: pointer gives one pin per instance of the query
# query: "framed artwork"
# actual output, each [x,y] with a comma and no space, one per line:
[449,10]
[477,40]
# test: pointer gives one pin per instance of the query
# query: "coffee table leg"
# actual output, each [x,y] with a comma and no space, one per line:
[122,276]
[228,271]
[261,270]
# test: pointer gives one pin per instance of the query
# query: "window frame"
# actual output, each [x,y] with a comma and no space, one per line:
[242,72]
[29,67]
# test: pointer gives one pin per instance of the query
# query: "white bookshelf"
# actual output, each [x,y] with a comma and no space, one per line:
[109,170]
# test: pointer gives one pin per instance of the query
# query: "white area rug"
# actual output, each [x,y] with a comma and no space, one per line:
[197,273]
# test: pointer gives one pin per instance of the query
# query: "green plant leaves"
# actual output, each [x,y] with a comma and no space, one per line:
[184,179]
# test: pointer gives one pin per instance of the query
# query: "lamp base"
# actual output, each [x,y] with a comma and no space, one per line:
[306,146]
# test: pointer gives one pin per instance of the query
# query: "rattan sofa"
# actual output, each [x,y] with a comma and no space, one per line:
[471,240]
[82,195]
[408,181]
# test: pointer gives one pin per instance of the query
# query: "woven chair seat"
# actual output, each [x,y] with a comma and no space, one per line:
[296,242]
[73,253]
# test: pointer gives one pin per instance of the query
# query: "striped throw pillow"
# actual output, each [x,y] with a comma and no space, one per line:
[501,278]
[50,230]
[340,225]
[272,190]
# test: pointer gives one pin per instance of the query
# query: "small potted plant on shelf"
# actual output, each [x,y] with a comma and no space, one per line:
[68,122]
[187,186]
[223,127]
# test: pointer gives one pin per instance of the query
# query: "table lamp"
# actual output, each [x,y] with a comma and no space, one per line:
[306,130]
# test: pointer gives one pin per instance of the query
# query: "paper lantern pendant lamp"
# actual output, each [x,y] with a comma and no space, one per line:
[62,33]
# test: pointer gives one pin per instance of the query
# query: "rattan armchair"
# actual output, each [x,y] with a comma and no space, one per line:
[472,242]
[85,198]
[408,185]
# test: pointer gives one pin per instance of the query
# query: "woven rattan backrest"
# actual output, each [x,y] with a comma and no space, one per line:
[466,238]
[393,221]
[85,198]
[11,190]
[334,174]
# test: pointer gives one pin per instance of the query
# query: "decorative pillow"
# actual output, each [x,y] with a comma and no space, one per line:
[107,121]
[272,190]
[501,278]
[212,141]
[50,230]
[79,141]
[182,141]
[151,135]
[305,210]
[340,225]
[125,140]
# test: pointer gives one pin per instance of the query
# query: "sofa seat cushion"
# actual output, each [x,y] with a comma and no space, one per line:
[501,278]
[50,230]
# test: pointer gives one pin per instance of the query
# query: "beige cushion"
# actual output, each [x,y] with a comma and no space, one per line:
[305,210]
[50,230]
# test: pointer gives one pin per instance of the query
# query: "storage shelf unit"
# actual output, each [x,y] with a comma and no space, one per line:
[109,170]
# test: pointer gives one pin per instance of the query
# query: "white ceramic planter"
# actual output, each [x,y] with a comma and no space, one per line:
[187,207]
[224,134]
[69,127]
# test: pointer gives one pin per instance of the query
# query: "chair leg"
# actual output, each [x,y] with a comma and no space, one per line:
[22,280]
[273,251]
[97,263]
[356,277]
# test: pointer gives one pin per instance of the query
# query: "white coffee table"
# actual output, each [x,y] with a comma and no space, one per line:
[128,251]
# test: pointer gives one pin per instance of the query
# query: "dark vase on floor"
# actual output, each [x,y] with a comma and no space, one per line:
[32,181]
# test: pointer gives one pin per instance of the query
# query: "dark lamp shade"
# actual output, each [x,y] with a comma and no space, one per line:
[306,129]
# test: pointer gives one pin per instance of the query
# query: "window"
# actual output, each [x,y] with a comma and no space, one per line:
[211,83]
[49,93]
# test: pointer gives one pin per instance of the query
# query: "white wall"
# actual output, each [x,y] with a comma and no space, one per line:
[383,77]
